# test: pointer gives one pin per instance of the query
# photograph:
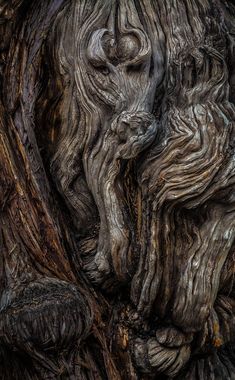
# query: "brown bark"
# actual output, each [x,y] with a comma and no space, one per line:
[117,218]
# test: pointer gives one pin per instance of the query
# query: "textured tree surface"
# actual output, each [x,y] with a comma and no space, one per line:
[117,177]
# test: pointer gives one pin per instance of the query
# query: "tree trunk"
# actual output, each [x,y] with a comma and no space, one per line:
[117,211]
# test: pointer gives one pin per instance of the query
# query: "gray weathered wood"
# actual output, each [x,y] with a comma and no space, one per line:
[117,208]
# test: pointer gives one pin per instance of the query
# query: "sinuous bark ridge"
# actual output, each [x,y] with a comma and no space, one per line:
[117,159]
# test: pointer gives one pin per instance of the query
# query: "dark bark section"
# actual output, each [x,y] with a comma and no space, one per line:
[117,165]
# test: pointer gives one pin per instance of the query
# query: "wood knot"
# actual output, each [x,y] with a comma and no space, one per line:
[132,47]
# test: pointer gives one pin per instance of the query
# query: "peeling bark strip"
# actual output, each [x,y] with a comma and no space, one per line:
[117,225]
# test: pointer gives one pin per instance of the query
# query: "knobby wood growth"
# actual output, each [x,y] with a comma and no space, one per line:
[117,207]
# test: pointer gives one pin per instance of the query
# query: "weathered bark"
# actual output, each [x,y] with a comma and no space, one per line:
[117,164]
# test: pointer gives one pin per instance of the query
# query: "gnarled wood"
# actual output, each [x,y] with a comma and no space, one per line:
[116,189]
